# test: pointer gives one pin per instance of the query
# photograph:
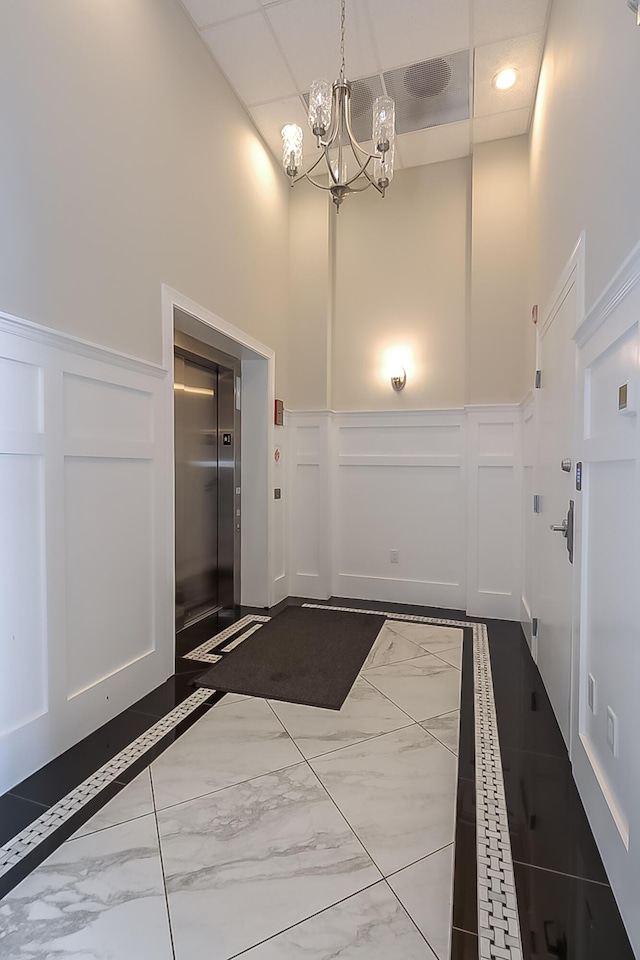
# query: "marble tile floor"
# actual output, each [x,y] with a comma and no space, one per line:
[272,830]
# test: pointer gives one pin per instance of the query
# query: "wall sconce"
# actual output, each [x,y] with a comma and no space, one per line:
[399,379]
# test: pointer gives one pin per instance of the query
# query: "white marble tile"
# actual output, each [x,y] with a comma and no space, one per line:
[368,926]
[390,646]
[227,745]
[365,713]
[446,729]
[454,656]
[247,862]
[133,801]
[432,637]
[426,891]
[423,688]
[397,792]
[98,897]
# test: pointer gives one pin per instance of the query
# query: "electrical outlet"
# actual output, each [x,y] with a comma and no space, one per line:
[395,556]
[591,694]
[612,731]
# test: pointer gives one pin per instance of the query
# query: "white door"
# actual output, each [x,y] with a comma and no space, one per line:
[556,360]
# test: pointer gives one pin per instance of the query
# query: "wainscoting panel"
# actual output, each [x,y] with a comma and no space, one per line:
[399,531]
[384,505]
[109,514]
[23,679]
[85,525]
[494,512]
[606,648]
[310,502]
[528,491]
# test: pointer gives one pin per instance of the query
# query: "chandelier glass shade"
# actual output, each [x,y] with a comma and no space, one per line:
[348,166]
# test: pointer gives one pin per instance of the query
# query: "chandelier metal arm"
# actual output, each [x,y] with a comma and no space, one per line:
[354,143]
[330,121]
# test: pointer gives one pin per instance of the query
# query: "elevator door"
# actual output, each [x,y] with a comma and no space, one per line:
[205,493]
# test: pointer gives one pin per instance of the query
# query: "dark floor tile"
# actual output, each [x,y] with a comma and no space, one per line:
[467,746]
[16,814]
[548,825]
[525,717]
[562,918]
[464,946]
[204,629]
[465,886]
[171,693]
[52,782]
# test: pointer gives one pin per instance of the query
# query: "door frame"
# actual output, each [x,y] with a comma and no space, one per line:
[257,586]
[573,275]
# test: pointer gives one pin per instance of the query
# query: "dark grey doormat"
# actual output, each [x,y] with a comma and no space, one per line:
[301,656]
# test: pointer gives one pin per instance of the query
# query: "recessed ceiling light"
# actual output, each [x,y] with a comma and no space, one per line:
[505,79]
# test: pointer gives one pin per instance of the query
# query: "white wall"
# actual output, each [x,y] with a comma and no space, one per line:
[499,313]
[128,162]
[584,144]
[401,287]
[441,487]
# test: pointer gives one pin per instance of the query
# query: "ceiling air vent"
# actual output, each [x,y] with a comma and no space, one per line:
[431,92]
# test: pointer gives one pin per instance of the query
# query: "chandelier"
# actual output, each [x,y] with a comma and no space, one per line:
[350,167]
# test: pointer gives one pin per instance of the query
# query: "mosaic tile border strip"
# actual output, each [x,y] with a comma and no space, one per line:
[498,922]
[499,936]
[204,654]
[27,840]
[410,618]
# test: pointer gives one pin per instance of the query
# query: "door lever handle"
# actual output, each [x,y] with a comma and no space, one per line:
[560,527]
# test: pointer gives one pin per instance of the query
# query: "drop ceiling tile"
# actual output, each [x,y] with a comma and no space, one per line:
[523,53]
[309,33]
[499,126]
[205,12]
[495,20]
[447,142]
[409,30]
[247,52]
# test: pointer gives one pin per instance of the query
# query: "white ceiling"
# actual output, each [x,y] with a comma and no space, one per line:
[271,50]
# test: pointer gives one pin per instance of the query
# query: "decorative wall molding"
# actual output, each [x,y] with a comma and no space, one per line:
[84,502]
[47,336]
[612,297]
[364,484]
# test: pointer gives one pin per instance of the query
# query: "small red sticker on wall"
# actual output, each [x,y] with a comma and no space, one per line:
[276,455]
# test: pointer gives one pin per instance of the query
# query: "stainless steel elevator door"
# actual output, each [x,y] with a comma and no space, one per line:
[196,449]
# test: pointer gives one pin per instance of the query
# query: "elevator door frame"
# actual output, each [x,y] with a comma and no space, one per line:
[224,365]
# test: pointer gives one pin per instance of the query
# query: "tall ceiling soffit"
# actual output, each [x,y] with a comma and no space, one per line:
[437,58]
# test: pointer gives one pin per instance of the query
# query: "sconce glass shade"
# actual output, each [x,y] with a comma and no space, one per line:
[320,107]
[292,139]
